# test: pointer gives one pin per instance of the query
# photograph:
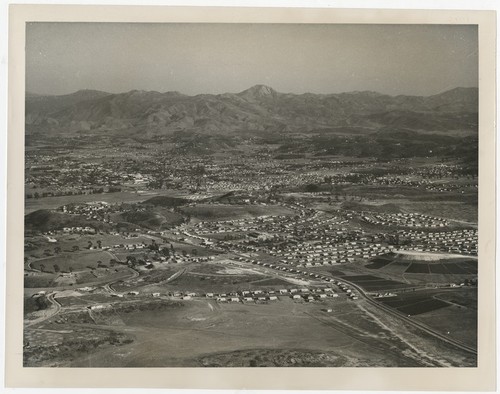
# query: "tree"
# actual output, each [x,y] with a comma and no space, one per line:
[165,252]
[99,244]
[75,248]
[89,245]
[42,267]
[131,261]
[56,268]
[57,249]
[311,188]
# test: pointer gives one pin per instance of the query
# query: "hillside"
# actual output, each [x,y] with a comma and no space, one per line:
[257,109]
[165,201]
[154,220]
[46,220]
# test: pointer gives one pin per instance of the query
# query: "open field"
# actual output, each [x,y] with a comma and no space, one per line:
[76,261]
[374,283]
[205,333]
[214,212]
[124,196]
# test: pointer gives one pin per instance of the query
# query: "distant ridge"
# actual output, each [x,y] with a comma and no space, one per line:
[259,108]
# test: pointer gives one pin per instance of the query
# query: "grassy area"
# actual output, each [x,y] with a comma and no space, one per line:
[216,212]
[76,261]
[125,196]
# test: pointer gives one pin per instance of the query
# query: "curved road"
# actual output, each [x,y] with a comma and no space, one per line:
[48,313]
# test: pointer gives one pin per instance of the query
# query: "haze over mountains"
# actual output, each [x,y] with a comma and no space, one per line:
[259,108]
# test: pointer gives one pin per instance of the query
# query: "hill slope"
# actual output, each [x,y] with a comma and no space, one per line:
[258,109]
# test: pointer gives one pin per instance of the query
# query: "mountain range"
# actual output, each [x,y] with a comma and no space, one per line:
[259,108]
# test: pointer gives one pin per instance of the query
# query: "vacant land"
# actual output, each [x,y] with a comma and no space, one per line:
[72,261]
[206,333]
[214,212]
[375,283]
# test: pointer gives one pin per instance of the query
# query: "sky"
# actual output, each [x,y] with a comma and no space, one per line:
[422,60]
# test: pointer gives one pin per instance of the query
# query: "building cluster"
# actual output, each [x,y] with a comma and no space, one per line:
[48,175]
[457,241]
[405,220]
[328,253]
[98,210]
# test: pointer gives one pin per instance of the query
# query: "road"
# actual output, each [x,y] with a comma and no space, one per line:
[48,313]
[395,313]
[406,319]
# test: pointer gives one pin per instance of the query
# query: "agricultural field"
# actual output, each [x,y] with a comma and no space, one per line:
[458,306]
[420,268]
[415,304]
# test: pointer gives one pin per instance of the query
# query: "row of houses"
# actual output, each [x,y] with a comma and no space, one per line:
[457,241]
[329,253]
[405,220]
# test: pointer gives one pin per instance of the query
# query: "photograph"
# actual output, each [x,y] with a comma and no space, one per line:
[250,195]
[250,198]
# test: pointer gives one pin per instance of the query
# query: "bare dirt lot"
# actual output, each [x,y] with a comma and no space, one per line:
[206,333]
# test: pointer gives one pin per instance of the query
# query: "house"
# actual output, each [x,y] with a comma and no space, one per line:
[296,297]
[273,298]
[156,294]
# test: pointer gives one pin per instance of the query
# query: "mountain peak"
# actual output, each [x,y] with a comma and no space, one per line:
[258,91]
